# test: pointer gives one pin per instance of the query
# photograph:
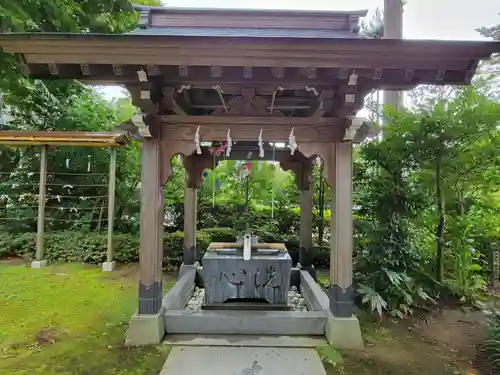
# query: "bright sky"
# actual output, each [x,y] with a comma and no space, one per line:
[423,19]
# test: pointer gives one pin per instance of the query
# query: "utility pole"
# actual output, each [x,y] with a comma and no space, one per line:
[393,29]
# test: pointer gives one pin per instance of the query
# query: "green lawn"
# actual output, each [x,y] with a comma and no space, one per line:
[69,319]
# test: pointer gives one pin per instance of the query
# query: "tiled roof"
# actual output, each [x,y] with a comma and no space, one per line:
[245,32]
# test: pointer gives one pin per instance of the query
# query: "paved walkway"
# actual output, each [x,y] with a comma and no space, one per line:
[205,360]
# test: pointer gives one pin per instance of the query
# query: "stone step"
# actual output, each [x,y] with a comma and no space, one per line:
[246,340]
[288,323]
[203,360]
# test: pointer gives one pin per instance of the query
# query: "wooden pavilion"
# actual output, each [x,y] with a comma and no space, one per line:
[207,71]
[47,139]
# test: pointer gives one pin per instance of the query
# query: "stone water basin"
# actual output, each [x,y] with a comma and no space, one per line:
[265,276]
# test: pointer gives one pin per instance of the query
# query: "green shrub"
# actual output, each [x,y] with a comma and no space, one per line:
[91,247]
[492,344]
[220,234]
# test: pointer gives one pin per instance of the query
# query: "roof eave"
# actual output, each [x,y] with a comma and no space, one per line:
[58,138]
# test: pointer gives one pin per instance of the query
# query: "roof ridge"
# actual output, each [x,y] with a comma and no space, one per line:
[297,12]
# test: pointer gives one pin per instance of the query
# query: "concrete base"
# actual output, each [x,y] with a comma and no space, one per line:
[242,361]
[187,268]
[178,296]
[213,322]
[344,333]
[146,329]
[108,266]
[38,263]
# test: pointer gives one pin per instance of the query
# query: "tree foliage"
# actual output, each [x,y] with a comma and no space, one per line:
[426,191]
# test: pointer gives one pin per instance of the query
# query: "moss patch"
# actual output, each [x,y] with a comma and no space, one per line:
[69,320]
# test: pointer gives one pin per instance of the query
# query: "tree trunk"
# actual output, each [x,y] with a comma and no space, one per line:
[441,223]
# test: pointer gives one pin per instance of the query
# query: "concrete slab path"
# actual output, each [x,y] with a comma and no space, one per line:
[246,340]
[204,360]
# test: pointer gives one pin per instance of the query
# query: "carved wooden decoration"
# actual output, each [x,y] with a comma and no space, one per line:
[301,166]
[247,105]
[216,71]
[325,103]
[311,73]
[117,70]
[183,71]
[350,98]
[352,130]
[193,162]
[142,128]
[169,101]
[23,64]
[53,69]
[195,165]
[247,72]
[440,75]
[85,69]
[278,72]
[377,74]
[141,97]
[409,74]
[153,70]
[343,73]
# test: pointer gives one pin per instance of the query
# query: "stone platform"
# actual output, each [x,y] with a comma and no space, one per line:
[314,319]
[205,360]
[311,320]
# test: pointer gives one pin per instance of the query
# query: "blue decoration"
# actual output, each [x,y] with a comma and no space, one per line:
[217,183]
[205,174]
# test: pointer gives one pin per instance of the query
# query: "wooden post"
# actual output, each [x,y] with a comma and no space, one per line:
[109,265]
[39,261]
[190,219]
[306,217]
[393,29]
[151,241]
[495,269]
[340,290]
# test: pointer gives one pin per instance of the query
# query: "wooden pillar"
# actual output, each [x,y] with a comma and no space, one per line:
[111,202]
[340,290]
[109,265]
[151,241]
[306,214]
[190,219]
[393,29]
[41,209]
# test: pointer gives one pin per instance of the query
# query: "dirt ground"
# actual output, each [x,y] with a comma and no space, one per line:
[443,342]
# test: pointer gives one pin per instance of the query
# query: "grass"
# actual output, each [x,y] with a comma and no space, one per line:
[69,320]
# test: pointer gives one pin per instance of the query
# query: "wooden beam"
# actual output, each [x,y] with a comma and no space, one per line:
[275,129]
[250,121]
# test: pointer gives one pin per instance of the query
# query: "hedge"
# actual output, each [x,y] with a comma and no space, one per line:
[91,247]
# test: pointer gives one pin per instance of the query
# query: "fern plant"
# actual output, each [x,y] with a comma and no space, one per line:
[492,344]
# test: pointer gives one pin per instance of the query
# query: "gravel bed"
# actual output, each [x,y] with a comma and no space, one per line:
[295,300]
